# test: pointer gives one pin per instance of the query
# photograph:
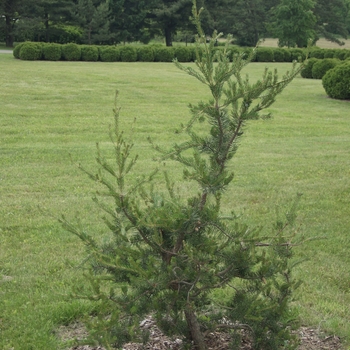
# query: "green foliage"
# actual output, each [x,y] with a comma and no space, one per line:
[297,55]
[307,69]
[163,53]
[52,52]
[279,55]
[145,54]
[329,53]
[128,54]
[336,81]
[109,53]
[17,50]
[341,54]
[168,248]
[30,51]
[321,67]
[317,53]
[265,55]
[183,53]
[89,53]
[71,52]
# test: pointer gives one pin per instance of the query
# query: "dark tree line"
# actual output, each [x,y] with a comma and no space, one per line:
[115,21]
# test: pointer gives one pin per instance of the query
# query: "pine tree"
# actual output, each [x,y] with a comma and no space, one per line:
[171,250]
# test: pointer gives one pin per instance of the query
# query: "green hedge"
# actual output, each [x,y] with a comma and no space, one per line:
[336,81]
[160,53]
[71,52]
[307,70]
[109,53]
[321,67]
[52,52]
[30,51]
[89,53]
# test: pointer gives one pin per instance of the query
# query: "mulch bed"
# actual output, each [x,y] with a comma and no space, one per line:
[310,339]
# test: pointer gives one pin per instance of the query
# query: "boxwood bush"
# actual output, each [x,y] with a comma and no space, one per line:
[71,52]
[109,53]
[307,70]
[52,52]
[336,81]
[163,54]
[30,51]
[278,55]
[145,54]
[341,53]
[329,53]
[89,53]
[183,53]
[317,53]
[128,54]
[264,55]
[321,67]
[17,49]
[297,54]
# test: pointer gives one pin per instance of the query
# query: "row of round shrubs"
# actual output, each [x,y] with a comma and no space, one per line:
[148,53]
[335,75]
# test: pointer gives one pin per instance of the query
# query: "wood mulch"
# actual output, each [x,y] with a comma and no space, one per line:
[310,339]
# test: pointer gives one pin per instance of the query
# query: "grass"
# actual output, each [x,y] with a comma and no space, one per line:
[50,110]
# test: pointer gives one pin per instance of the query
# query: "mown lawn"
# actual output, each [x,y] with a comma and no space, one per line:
[54,111]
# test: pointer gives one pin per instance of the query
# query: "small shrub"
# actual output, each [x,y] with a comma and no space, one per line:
[128,54]
[71,52]
[340,54]
[183,54]
[287,55]
[336,82]
[52,52]
[163,54]
[145,54]
[329,53]
[317,53]
[321,67]
[30,51]
[17,49]
[109,53]
[264,55]
[297,54]
[307,70]
[89,53]
[278,55]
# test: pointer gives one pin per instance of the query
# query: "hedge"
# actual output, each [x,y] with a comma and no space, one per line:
[52,52]
[336,81]
[30,51]
[307,70]
[321,67]
[160,53]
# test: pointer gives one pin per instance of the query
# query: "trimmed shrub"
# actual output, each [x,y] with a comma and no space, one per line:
[264,55]
[145,54]
[317,53]
[89,53]
[30,51]
[183,53]
[278,55]
[128,54]
[17,49]
[52,52]
[297,54]
[336,82]
[71,52]
[340,54]
[329,53]
[163,54]
[287,55]
[307,70]
[321,67]
[109,53]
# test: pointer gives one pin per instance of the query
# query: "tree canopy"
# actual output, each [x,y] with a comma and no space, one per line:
[115,21]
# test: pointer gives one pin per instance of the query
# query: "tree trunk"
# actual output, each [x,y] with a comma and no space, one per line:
[9,31]
[194,327]
[168,36]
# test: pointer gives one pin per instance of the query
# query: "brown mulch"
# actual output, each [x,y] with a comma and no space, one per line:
[310,339]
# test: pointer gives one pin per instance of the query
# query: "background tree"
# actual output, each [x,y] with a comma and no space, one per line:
[332,19]
[170,15]
[293,22]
